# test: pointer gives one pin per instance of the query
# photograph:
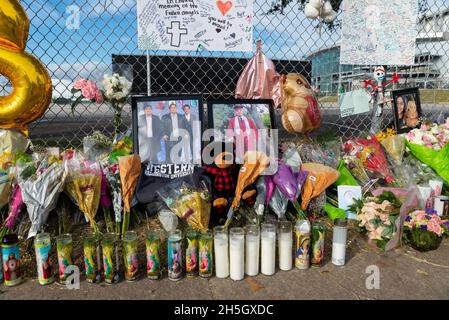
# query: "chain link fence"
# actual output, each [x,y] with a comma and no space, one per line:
[88,38]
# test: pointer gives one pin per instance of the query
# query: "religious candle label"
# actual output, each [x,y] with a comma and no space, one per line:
[44,269]
[11,264]
[153,259]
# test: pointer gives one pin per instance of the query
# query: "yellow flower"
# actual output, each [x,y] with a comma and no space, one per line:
[380,136]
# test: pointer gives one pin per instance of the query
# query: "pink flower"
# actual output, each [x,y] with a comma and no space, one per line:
[99,97]
[420,216]
[424,127]
[384,217]
[80,84]
[89,91]
[434,227]
[369,227]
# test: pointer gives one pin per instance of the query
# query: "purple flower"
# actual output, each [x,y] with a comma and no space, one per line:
[408,219]
[424,227]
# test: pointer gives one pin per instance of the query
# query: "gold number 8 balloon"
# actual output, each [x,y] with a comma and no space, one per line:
[32,88]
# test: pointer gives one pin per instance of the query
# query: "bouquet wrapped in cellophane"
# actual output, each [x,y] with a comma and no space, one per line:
[188,203]
[83,184]
[41,188]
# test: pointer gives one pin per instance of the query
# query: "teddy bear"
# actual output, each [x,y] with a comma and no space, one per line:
[223,173]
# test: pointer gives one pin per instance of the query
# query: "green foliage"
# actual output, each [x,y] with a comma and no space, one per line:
[389,196]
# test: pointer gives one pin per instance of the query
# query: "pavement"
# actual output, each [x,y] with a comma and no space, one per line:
[403,274]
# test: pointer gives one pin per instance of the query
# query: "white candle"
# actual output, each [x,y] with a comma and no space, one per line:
[221,248]
[339,242]
[268,235]
[285,243]
[237,254]
[252,255]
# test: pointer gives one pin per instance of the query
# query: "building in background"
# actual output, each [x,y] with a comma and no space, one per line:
[430,70]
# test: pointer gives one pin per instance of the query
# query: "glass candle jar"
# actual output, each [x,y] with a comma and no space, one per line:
[285,245]
[11,260]
[153,249]
[221,248]
[237,253]
[205,244]
[108,245]
[317,244]
[175,255]
[42,247]
[130,255]
[191,253]
[64,248]
[252,249]
[339,237]
[302,244]
[91,259]
[268,252]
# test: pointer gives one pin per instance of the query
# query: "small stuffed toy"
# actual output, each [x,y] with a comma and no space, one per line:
[223,176]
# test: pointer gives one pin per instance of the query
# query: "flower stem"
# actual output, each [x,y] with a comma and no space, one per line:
[301,214]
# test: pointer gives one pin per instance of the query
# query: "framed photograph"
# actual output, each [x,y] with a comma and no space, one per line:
[244,118]
[168,129]
[406,109]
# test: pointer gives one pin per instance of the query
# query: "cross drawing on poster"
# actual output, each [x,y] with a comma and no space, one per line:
[195,25]
[176,32]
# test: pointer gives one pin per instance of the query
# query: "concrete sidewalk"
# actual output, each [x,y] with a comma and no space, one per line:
[404,274]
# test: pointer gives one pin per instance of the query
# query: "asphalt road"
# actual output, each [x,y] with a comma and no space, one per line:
[59,125]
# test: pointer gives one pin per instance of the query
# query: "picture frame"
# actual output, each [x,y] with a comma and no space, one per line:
[152,144]
[407,110]
[231,119]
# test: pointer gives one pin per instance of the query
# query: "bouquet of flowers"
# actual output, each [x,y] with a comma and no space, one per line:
[116,90]
[369,151]
[113,182]
[188,203]
[84,184]
[40,192]
[97,146]
[376,216]
[288,184]
[424,231]
[429,145]
[129,169]
[88,90]
[430,135]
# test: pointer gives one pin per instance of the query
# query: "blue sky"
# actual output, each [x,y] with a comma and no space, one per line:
[112,29]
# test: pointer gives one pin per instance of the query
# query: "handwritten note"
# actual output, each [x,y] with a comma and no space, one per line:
[195,25]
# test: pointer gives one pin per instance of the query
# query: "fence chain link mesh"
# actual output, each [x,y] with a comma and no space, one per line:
[87,38]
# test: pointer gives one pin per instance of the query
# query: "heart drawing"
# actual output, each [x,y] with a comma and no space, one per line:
[224,7]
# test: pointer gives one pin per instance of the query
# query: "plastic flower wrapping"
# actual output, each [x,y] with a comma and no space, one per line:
[40,189]
[369,151]
[377,217]
[188,203]
[83,184]
[129,169]
[97,146]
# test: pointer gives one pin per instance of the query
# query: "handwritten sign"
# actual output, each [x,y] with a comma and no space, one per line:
[195,25]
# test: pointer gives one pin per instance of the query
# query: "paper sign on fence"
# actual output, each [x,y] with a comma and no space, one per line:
[195,25]
[354,102]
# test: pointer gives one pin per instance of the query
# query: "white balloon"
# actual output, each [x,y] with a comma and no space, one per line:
[327,8]
[310,11]
[315,3]
[330,17]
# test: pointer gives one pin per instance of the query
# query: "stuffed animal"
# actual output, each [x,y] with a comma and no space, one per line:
[300,113]
[223,176]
